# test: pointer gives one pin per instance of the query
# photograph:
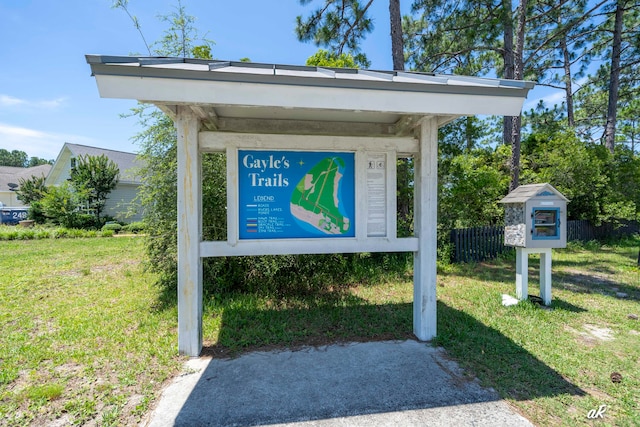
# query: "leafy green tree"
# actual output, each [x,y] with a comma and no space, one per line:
[576,169]
[37,161]
[15,158]
[157,142]
[621,199]
[95,177]
[339,25]
[629,120]
[61,204]
[324,58]
[31,192]
[470,188]
[570,25]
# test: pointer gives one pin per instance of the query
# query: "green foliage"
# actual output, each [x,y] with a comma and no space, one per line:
[158,192]
[20,159]
[180,38]
[31,192]
[83,221]
[31,189]
[324,58]
[470,187]
[60,204]
[38,233]
[15,158]
[37,161]
[114,226]
[93,178]
[134,227]
[339,26]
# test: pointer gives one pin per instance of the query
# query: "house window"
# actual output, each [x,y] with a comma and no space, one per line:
[73,162]
[546,223]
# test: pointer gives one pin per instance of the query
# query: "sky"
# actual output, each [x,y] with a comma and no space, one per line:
[47,94]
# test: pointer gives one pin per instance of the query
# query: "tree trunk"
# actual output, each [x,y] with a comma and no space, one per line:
[508,59]
[397,55]
[469,134]
[518,73]
[397,45]
[567,79]
[614,80]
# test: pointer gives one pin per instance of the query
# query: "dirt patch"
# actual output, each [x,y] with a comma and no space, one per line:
[580,278]
[604,334]
[592,335]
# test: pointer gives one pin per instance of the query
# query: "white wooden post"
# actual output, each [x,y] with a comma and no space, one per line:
[189,234]
[425,222]
[522,274]
[545,275]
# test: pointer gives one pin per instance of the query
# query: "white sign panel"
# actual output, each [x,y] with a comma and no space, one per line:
[376,194]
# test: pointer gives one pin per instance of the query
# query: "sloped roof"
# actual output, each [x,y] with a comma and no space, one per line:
[10,174]
[238,90]
[526,192]
[128,163]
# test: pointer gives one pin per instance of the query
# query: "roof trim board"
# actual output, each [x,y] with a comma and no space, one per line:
[175,81]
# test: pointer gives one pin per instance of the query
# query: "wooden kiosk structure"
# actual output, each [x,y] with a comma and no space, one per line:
[270,118]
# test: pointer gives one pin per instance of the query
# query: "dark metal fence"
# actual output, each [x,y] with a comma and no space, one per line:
[482,243]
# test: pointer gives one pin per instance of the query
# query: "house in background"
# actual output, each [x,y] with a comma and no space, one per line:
[10,181]
[121,203]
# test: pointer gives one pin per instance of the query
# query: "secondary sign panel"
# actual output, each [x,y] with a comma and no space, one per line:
[296,194]
[376,195]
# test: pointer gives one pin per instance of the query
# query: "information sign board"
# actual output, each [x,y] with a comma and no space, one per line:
[376,195]
[296,194]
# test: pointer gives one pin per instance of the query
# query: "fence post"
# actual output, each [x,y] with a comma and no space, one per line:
[453,238]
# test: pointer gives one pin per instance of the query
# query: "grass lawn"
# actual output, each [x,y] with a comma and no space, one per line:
[82,336]
[86,339]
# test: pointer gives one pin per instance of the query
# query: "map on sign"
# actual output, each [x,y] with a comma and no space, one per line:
[316,199]
[296,194]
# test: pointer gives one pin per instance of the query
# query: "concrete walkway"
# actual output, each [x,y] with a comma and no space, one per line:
[402,383]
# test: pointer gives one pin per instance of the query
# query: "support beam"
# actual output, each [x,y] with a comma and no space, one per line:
[407,124]
[522,274]
[169,110]
[426,224]
[207,116]
[545,276]
[189,233]
[219,141]
[308,127]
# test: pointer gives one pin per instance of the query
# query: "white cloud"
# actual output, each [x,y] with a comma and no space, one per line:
[37,143]
[47,104]
[556,97]
[10,101]
[550,96]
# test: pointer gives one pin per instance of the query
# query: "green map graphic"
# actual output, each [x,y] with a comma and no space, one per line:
[316,198]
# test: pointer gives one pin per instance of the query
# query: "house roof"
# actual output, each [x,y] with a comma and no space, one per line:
[128,163]
[526,192]
[12,175]
[226,89]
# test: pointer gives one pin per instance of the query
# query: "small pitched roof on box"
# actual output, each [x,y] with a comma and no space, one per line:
[526,192]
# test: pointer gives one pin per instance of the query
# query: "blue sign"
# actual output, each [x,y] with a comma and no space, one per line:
[296,194]
[12,216]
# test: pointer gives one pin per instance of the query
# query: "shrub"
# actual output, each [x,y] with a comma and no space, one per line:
[19,233]
[134,227]
[113,226]
[83,221]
